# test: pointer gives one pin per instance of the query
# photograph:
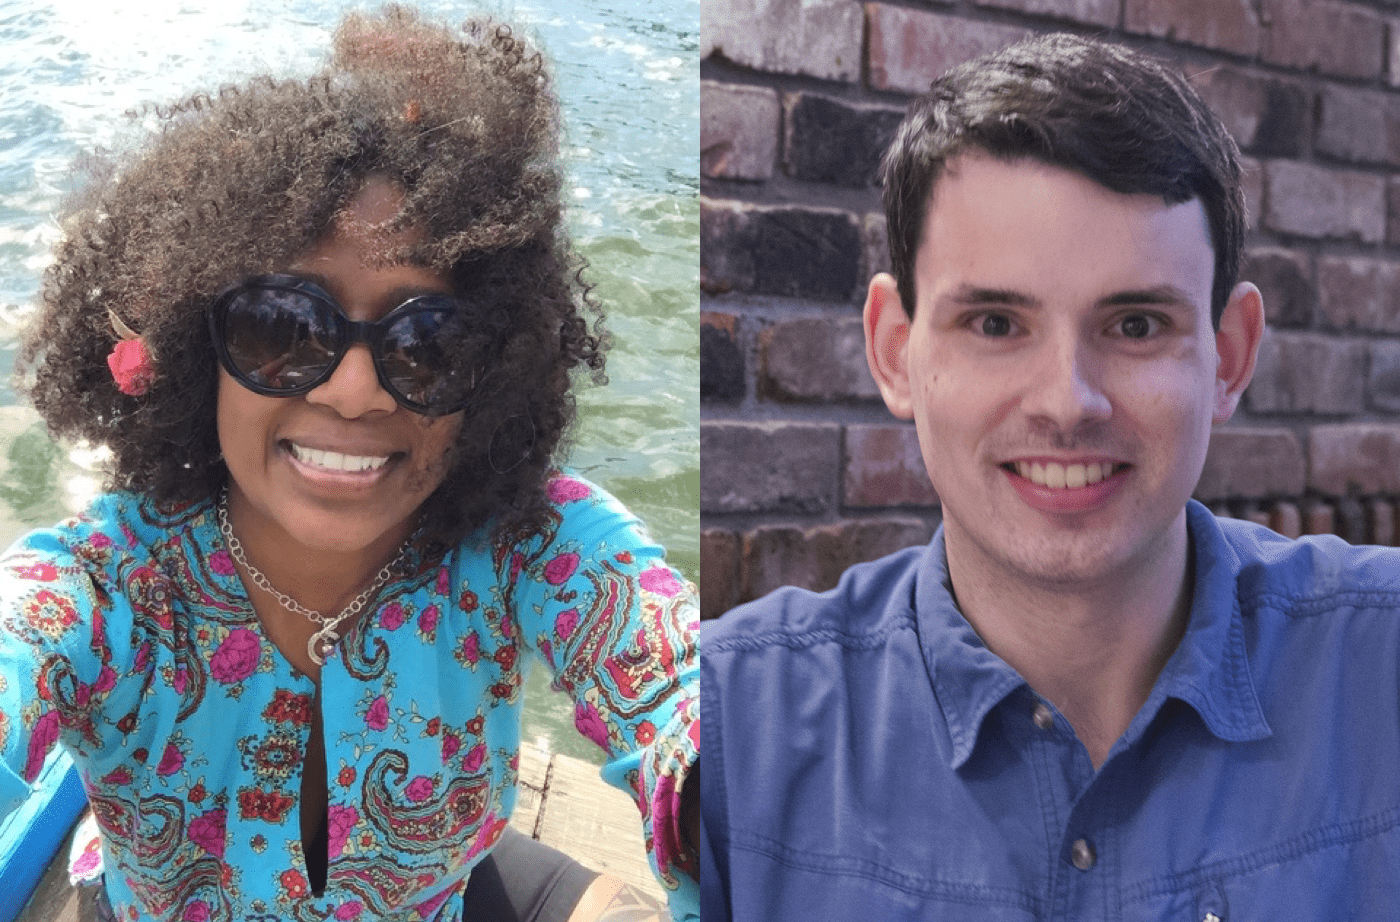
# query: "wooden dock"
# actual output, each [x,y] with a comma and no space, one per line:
[562,803]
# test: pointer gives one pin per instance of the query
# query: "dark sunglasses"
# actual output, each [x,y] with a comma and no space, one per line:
[280,335]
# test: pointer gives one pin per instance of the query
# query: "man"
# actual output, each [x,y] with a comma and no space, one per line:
[1087,698]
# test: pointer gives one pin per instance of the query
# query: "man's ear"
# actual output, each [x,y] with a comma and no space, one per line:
[887,343]
[1237,347]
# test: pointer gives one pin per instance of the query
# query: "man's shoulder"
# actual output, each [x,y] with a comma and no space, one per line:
[1308,572]
[870,600]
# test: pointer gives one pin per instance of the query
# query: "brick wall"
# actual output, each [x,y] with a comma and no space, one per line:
[803,470]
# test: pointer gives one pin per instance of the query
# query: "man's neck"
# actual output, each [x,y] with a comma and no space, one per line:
[1094,650]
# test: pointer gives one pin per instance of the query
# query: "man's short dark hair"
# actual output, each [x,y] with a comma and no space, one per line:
[1121,118]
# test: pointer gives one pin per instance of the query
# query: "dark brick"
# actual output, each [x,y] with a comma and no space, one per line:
[1252,180]
[1089,12]
[1314,201]
[1351,522]
[816,359]
[833,141]
[908,48]
[1362,126]
[795,252]
[1383,382]
[876,232]
[884,467]
[1285,280]
[1251,463]
[721,361]
[1266,116]
[1308,373]
[1332,37]
[719,572]
[1359,293]
[1392,211]
[769,467]
[815,558]
[1229,25]
[1380,517]
[738,130]
[1354,458]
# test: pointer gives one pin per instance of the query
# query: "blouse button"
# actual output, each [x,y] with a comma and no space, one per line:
[1042,715]
[1082,854]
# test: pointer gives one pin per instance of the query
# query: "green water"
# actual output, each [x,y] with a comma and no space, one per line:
[627,72]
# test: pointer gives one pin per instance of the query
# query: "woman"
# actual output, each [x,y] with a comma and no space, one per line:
[327,328]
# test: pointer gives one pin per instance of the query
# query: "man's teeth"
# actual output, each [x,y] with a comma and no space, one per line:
[1064,476]
[335,461]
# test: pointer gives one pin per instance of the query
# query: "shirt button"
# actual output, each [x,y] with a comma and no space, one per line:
[1082,854]
[1042,715]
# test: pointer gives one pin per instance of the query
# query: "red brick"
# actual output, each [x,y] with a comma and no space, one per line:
[1314,201]
[883,467]
[815,359]
[721,359]
[1090,12]
[1258,516]
[1392,211]
[1227,25]
[1360,293]
[1362,126]
[1380,518]
[1393,53]
[1284,278]
[769,467]
[1308,373]
[909,48]
[814,558]
[1332,37]
[1319,518]
[738,130]
[719,572]
[1285,519]
[814,38]
[1354,458]
[1251,463]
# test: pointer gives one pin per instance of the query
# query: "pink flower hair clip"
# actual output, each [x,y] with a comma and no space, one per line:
[129,359]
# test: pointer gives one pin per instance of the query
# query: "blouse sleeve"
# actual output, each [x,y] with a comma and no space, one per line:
[55,666]
[618,628]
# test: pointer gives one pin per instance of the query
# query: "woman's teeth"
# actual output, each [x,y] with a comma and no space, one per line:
[335,461]
[1064,476]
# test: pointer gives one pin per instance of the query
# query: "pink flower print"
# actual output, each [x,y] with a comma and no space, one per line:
[444,582]
[181,680]
[665,819]
[143,656]
[117,776]
[207,831]
[391,617]
[560,568]
[662,581]
[428,908]
[419,789]
[41,572]
[517,563]
[566,622]
[41,739]
[196,911]
[106,680]
[474,759]
[340,821]
[590,723]
[471,649]
[88,862]
[237,657]
[171,761]
[451,745]
[566,490]
[221,563]
[100,540]
[378,716]
[349,911]
[428,620]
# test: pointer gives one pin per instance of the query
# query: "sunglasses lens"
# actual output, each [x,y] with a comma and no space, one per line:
[278,339]
[417,356]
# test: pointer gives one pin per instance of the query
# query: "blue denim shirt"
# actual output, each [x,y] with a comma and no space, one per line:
[865,757]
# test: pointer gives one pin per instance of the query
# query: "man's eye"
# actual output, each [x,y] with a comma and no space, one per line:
[996,325]
[1138,326]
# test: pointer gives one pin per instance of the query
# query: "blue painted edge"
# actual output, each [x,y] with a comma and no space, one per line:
[31,836]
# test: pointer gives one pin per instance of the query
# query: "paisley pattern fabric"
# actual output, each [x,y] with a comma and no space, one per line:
[126,636]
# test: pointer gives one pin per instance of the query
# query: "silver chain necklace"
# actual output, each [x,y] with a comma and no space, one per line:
[323,642]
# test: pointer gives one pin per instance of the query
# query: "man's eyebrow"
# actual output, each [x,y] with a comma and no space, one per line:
[1159,294]
[976,296]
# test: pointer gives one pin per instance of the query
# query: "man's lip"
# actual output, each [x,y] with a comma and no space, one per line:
[1057,495]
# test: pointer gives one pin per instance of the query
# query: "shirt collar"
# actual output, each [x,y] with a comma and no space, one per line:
[1209,670]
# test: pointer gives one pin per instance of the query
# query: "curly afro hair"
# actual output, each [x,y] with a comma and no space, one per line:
[465,123]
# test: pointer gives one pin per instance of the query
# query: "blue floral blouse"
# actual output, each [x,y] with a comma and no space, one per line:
[127,638]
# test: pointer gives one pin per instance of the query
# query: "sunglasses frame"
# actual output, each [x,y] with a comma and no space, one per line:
[344,334]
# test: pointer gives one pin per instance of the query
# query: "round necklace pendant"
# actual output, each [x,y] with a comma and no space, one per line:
[322,645]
